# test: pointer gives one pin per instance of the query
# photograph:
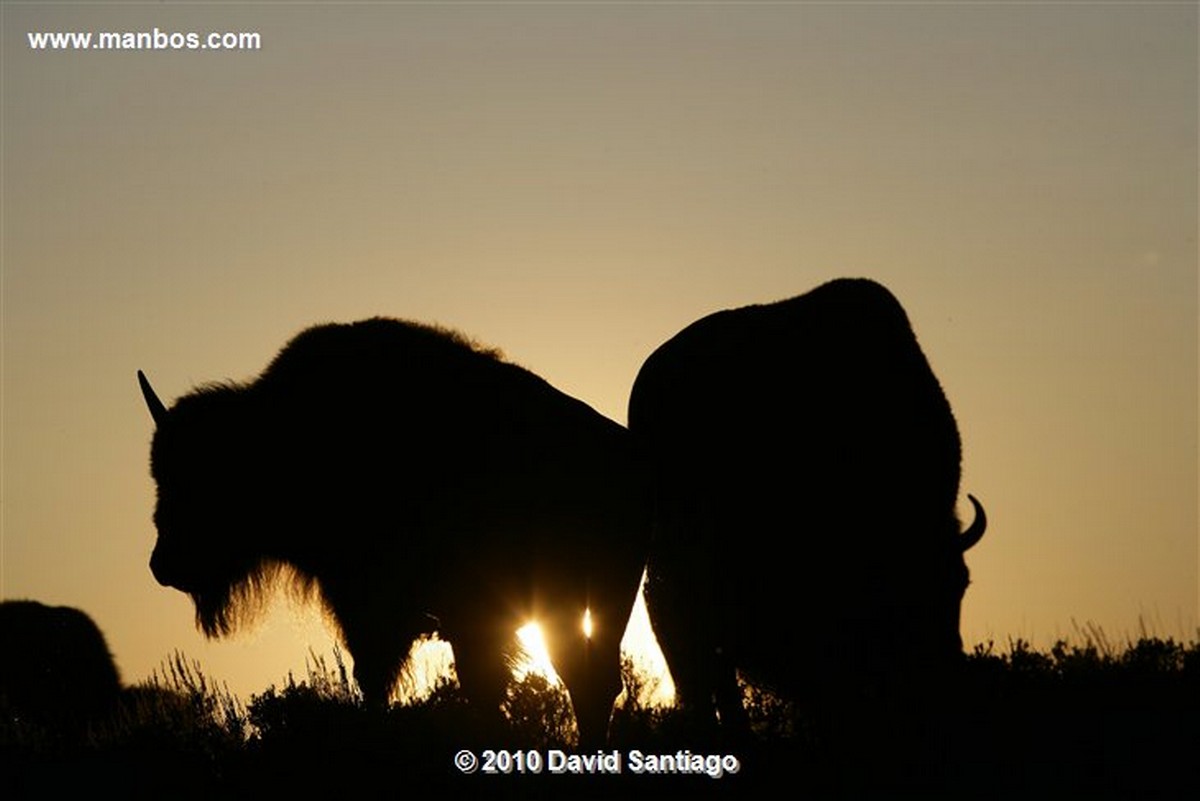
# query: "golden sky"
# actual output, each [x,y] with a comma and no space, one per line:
[574,183]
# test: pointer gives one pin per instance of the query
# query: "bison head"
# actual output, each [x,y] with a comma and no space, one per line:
[955,578]
[212,542]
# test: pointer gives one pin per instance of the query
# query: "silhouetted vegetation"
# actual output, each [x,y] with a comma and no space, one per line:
[1088,720]
[1083,720]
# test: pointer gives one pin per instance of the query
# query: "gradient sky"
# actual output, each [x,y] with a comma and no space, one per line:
[574,184]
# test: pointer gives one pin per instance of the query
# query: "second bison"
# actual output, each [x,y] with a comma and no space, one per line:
[806,470]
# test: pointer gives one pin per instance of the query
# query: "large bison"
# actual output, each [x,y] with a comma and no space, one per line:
[57,671]
[806,471]
[416,482]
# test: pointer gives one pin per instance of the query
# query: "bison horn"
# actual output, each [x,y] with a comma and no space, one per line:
[973,534]
[157,410]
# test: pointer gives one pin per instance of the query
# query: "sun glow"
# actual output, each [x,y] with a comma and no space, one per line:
[431,659]
[536,658]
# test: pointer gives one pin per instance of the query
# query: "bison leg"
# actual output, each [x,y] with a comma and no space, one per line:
[690,658]
[686,619]
[590,667]
[728,696]
[376,668]
[379,645]
[483,673]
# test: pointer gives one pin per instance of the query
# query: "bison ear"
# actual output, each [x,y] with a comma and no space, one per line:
[157,410]
[973,534]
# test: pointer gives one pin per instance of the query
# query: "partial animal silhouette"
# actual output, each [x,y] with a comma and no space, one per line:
[57,671]
[806,468]
[414,481]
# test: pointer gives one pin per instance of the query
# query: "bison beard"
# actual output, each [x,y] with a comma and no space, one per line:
[404,475]
[225,607]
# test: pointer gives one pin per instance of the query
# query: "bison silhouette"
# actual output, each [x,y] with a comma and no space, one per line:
[57,671]
[806,466]
[414,482]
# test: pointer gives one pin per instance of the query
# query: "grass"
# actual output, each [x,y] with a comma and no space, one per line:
[1085,719]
